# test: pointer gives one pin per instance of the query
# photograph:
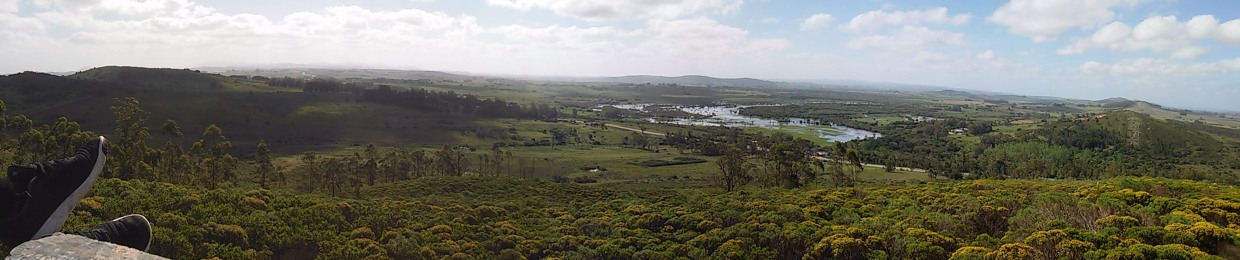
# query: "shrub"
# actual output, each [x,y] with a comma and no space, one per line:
[1015,251]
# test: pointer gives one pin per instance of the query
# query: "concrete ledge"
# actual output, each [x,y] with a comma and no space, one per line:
[61,246]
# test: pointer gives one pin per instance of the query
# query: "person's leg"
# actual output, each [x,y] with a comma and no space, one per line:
[133,231]
[48,191]
[9,203]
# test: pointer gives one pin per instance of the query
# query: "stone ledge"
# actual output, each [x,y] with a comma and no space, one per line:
[61,246]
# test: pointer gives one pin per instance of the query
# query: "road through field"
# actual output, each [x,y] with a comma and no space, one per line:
[907,169]
[636,130]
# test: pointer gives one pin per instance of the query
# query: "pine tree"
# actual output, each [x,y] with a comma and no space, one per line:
[734,168]
[4,123]
[220,165]
[129,149]
[264,168]
[171,163]
[371,164]
[451,161]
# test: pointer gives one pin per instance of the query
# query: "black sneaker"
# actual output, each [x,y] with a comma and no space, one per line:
[50,190]
[133,231]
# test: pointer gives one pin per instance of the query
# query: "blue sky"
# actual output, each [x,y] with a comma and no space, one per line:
[1177,53]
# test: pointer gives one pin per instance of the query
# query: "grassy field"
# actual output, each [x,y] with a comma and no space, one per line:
[875,174]
[802,133]
[621,163]
[1164,114]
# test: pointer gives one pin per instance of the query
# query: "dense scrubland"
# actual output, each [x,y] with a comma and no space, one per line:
[262,167]
[490,217]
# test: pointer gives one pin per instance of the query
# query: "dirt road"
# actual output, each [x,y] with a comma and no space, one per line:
[907,169]
[636,130]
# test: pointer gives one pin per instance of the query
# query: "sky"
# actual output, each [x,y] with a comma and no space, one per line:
[1179,53]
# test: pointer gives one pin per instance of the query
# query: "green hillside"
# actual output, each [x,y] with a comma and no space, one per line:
[152,78]
[1165,140]
[247,110]
[1159,112]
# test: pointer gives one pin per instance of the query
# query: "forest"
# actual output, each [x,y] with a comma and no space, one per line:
[1119,144]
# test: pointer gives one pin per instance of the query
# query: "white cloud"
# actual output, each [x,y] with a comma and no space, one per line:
[988,55]
[595,10]
[875,20]
[731,7]
[906,31]
[1229,32]
[1160,67]
[817,22]
[1045,20]
[9,6]
[702,38]
[770,20]
[909,38]
[571,39]
[1206,26]
[989,59]
[163,33]
[1163,34]
[929,57]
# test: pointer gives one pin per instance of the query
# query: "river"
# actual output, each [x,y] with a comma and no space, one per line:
[729,116]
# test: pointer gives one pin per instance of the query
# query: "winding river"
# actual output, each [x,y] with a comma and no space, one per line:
[730,116]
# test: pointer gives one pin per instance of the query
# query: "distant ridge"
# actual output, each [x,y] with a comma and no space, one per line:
[1119,102]
[343,73]
[950,92]
[1112,100]
[694,80]
[151,77]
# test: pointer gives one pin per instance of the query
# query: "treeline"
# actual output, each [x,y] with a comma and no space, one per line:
[205,161]
[318,84]
[421,99]
[451,102]
[1119,144]
[347,175]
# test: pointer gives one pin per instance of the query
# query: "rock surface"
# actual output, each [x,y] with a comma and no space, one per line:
[62,246]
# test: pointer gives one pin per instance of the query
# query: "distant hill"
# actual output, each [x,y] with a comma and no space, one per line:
[956,93]
[247,110]
[1166,113]
[997,97]
[693,80]
[46,97]
[1112,100]
[151,77]
[1118,103]
[1156,147]
[872,85]
[1171,140]
[343,73]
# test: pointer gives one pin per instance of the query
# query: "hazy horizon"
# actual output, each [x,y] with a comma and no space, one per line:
[1175,53]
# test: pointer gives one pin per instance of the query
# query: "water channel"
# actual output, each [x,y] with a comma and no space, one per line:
[729,116]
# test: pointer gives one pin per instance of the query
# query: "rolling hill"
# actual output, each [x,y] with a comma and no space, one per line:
[693,80]
[1166,113]
[344,73]
[247,110]
[1160,139]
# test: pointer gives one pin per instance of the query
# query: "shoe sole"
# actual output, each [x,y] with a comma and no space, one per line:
[149,231]
[57,219]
